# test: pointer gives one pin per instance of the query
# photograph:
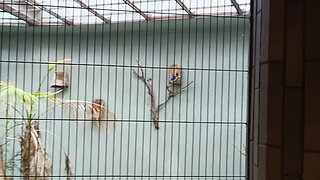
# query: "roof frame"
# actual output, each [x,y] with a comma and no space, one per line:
[237,6]
[22,11]
[136,9]
[185,8]
[29,11]
[186,16]
[93,11]
[43,8]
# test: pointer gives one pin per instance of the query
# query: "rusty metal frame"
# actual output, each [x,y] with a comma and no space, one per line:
[8,7]
[185,8]
[93,11]
[34,3]
[236,5]
[136,9]
[30,19]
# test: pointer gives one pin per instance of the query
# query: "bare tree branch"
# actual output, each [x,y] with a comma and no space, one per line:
[172,94]
[149,86]
[155,108]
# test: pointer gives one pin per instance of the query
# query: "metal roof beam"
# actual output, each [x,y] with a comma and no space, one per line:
[100,16]
[236,5]
[185,16]
[23,11]
[185,8]
[134,7]
[43,8]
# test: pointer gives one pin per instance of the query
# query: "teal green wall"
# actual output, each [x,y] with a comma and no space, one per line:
[211,135]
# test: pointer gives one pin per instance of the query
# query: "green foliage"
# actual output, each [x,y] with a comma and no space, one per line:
[11,95]
[16,102]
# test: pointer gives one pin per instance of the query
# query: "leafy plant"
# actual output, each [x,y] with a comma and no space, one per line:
[34,160]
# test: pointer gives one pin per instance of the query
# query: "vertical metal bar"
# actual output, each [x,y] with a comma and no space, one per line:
[159,85]
[108,88]
[174,44]
[137,107]
[202,39]
[165,107]
[144,34]
[94,86]
[71,89]
[228,96]
[5,149]
[85,94]
[124,36]
[152,77]
[130,102]
[102,96]
[16,81]
[77,160]
[208,95]
[187,102]
[117,34]
[180,121]
[194,97]
[247,90]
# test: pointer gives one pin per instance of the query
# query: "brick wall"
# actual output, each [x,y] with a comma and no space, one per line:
[284,140]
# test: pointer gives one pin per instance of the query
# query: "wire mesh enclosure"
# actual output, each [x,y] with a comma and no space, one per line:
[148,89]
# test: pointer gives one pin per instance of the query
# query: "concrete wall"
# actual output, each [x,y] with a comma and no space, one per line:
[202,130]
[284,107]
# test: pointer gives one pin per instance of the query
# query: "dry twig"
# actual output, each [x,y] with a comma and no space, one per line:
[34,158]
[68,168]
[155,108]
[2,164]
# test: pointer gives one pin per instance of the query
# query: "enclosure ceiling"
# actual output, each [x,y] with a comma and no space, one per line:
[74,12]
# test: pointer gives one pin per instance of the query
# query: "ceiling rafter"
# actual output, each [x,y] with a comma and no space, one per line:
[237,6]
[40,6]
[22,11]
[195,15]
[185,8]
[138,10]
[100,16]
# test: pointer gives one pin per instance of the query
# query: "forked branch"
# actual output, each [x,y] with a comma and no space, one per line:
[172,93]
[147,82]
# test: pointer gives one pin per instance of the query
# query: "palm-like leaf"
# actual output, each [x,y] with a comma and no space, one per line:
[10,95]
[84,108]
